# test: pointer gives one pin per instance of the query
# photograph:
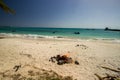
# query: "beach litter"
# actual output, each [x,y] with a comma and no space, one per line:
[63,59]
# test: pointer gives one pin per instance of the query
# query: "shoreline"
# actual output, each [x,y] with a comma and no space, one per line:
[35,36]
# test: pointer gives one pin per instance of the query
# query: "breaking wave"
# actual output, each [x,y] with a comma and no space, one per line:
[36,36]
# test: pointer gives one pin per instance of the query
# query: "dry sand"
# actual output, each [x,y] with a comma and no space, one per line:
[90,54]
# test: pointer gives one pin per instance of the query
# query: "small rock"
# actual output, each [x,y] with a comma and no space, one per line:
[76,62]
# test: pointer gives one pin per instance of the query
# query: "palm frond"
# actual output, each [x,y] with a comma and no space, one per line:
[6,8]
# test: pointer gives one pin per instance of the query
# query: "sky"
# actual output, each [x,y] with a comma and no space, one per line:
[62,13]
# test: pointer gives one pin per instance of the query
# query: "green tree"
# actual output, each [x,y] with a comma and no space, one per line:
[6,8]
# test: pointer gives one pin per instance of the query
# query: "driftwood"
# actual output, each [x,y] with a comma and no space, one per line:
[108,76]
[110,69]
[99,77]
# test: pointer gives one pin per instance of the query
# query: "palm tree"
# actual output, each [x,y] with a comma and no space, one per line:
[6,8]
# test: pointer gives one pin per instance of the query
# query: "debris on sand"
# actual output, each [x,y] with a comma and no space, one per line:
[82,46]
[77,45]
[76,62]
[31,72]
[16,67]
[62,59]
[2,37]
[108,76]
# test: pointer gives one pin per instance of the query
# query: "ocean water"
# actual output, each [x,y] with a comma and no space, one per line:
[36,32]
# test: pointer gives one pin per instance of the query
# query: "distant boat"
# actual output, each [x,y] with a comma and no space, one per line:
[107,29]
[54,32]
[13,30]
[76,32]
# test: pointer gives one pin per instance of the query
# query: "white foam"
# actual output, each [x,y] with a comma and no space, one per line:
[34,36]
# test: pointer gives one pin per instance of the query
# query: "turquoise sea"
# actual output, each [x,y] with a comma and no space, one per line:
[60,32]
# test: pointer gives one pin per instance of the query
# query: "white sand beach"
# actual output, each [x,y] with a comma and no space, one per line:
[91,55]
